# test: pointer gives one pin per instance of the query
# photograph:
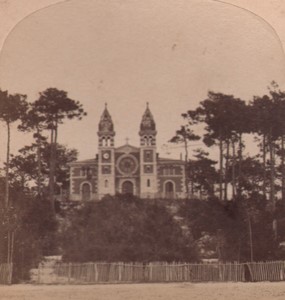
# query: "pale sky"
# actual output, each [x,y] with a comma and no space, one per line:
[127,53]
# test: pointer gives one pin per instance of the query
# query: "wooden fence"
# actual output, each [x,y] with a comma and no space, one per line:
[89,273]
[5,273]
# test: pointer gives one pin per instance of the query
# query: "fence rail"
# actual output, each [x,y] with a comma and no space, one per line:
[75,273]
[5,273]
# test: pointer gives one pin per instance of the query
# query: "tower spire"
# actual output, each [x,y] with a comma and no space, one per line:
[106,130]
[147,128]
[147,124]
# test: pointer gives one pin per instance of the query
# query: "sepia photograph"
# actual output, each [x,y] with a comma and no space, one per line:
[142,149]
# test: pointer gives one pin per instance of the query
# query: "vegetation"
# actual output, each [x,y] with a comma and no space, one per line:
[35,231]
[241,217]
[23,167]
[232,231]
[46,114]
[229,123]
[28,223]
[126,229]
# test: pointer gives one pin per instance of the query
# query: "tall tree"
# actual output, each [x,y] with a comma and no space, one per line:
[54,107]
[12,108]
[23,167]
[185,135]
[35,122]
[251,181]
[265,125]
[202,173]
[278,98]
[221,114]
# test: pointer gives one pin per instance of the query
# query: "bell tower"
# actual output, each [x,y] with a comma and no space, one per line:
[106,155]
[148,159]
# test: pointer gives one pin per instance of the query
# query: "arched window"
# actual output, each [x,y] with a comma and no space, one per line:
[145,140]
[106,184]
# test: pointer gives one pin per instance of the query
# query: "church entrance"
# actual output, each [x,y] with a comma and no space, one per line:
[169,190]
[86,192]
[128,188]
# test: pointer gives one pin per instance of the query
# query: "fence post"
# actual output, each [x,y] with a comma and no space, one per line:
[120,271]
[150,271]
[69,272]
[39,274]
[95,272]
[10,272]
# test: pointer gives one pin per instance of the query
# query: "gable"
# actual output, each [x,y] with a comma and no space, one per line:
[127,149]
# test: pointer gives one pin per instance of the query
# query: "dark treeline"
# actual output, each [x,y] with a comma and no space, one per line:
[229,125]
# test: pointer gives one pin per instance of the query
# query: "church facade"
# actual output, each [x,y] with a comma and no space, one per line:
[127,169]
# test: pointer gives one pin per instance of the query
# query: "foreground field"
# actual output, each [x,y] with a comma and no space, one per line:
[180,291]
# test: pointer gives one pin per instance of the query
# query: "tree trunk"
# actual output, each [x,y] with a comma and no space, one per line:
[186,171]
[51,171]
[226,170]
[282,168]
[234,170]
[10,235]
[7,166]
[272,173]
[221,170]
[239,165]
[250,237]
[8,246]
[39,164]
[264,166]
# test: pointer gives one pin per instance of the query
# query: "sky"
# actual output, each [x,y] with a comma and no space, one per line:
[127,53]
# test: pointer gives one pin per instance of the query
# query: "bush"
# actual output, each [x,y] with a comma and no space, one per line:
[34,229]
[125,229]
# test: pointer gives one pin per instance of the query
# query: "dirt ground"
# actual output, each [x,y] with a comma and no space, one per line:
[179,291]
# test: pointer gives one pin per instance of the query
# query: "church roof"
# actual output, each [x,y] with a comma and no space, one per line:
[127,148]
[82,162]
[170,160]
[147,124]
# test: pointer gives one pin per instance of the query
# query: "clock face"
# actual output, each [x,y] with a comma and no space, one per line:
[106,155]
[127,165]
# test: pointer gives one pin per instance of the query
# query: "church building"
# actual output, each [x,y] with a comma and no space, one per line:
[127,169]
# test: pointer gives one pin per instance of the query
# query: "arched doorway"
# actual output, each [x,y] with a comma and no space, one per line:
[86,192]
[169,190]
[128,188]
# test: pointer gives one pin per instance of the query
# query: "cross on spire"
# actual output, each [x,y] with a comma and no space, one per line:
[127,140]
